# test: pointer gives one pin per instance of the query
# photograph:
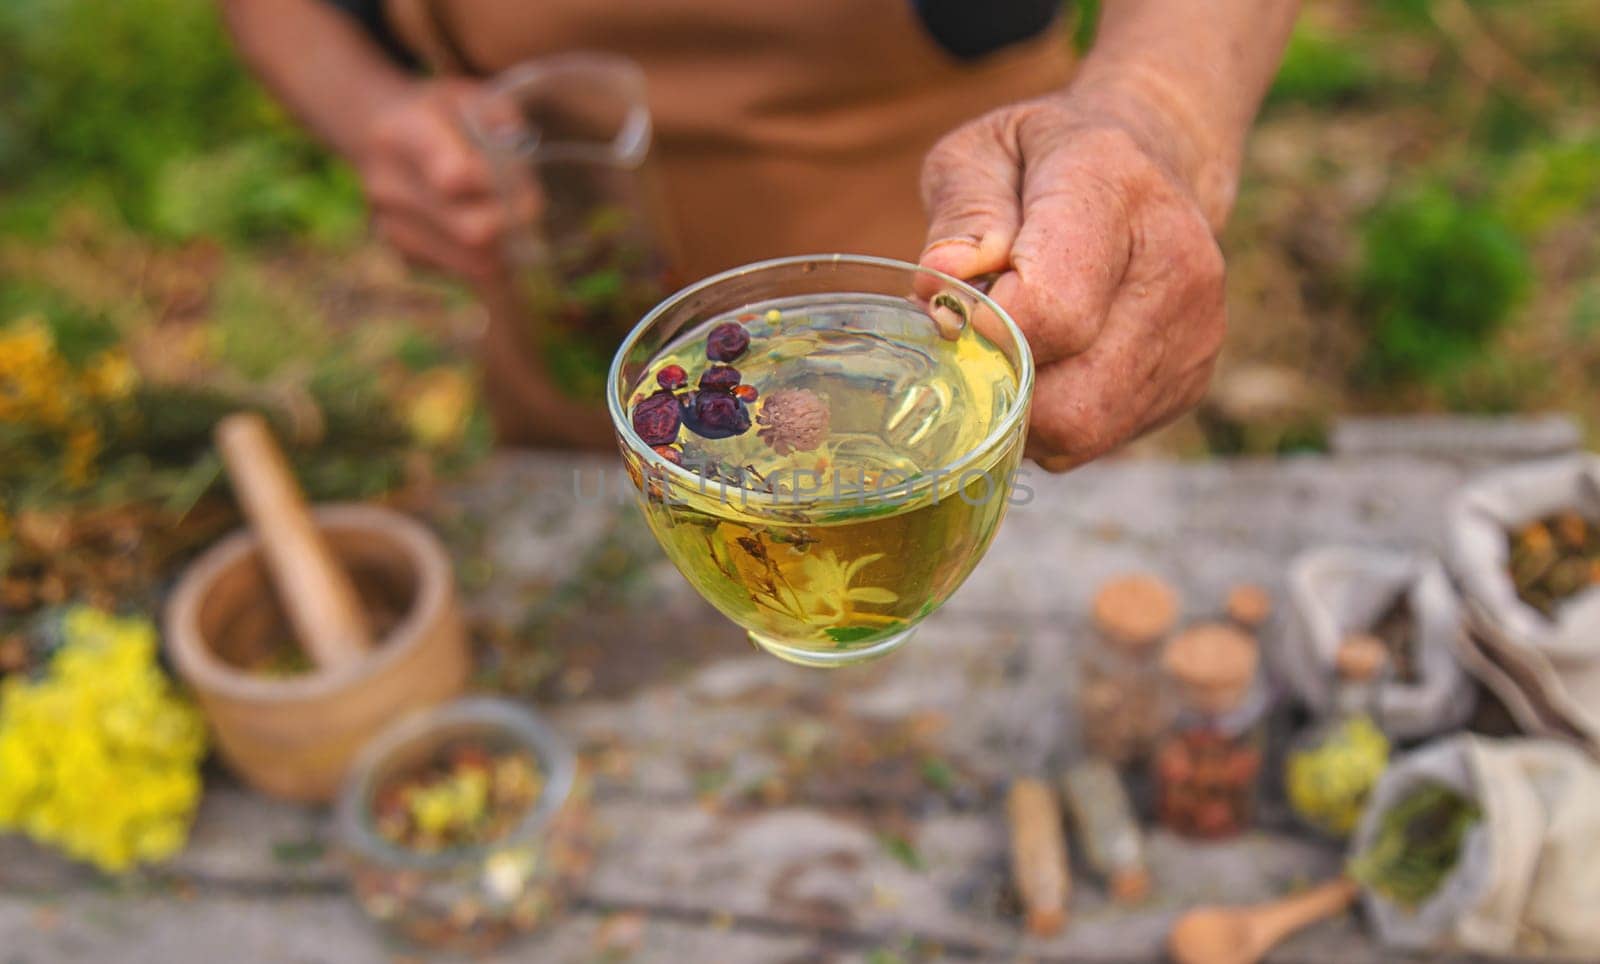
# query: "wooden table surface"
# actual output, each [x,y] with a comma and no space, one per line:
[749,811]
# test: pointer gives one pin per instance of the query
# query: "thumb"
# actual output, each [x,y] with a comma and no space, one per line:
[971,190]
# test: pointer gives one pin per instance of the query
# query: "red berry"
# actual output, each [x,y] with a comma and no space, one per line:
[670,453]
[727,341]
[746,393]
[656,418]
[672,377]
[719,378]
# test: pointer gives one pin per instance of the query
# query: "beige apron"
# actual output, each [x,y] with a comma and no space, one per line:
[781,128]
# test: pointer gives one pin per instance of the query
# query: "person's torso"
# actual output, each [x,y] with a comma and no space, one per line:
[780,128]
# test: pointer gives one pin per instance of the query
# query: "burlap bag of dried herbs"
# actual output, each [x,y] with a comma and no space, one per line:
[1487,846]
[1524,548]
[1405,599]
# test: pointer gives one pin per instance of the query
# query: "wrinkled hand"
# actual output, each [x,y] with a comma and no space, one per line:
[430,188]
[1109,266]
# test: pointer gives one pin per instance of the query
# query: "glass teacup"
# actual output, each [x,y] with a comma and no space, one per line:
[824,445]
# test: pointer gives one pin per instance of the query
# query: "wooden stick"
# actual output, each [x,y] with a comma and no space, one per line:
[317,594]
[1039,855]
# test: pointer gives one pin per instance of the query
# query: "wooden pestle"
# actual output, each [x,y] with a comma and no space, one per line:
[1244,935]
[317,594]
[1038,855]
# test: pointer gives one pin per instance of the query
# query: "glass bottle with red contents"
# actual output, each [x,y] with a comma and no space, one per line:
[1208,763]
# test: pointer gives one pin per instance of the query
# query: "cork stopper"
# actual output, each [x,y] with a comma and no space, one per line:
[1214,666]
[1135,610]
[1249,605]
[1361,657]
[1130,885]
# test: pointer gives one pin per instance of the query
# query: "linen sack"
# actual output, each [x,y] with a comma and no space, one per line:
[1527,881]
[1337,590]
[1545,669]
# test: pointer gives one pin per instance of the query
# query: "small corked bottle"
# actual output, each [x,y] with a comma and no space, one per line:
[1249,606]
[1333,766]
[1105,824]
[1208,764]
[1122,703]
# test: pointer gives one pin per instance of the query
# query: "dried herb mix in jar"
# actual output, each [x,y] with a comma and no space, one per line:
[1121,700]
[471,796]
[1208,763]
[468,868]
[1332,767]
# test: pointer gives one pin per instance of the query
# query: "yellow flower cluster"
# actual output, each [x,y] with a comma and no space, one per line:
[456,802]
[1328,783]
[39,388]
[100,757]
[437,405]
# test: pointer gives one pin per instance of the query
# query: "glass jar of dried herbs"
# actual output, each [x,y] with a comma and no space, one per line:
[458,826]
[1208,763]
[1122,703]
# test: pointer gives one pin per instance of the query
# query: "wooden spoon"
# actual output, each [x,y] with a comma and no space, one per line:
[316,592]
[1243,935]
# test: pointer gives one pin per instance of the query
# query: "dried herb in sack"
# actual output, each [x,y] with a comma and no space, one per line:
[1554,559]
[1417,846]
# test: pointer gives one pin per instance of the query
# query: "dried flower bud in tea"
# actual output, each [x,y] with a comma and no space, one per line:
[793,420]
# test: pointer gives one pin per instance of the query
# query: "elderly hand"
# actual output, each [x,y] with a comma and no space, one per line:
[430,187]
[1109,264]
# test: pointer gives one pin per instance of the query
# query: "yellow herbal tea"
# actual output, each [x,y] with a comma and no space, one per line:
[832,466]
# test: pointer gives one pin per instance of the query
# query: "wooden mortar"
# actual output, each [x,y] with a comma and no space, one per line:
[367,593]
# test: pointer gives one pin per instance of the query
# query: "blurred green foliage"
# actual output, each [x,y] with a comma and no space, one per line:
[1320,69]
[1495,383]
[1506,125]
[1585,320]
[1550,182]
[1440,275]
[1085,19]
[142,103]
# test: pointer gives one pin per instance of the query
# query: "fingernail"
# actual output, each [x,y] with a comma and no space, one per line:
[945,242]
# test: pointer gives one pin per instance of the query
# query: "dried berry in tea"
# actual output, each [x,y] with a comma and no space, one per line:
[657,418]
[719,378]
[727,342]
[715,415]
[672,377]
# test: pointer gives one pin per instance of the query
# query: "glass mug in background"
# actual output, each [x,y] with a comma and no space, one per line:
[569,141]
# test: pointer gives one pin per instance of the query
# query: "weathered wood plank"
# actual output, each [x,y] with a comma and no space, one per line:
[753,811]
